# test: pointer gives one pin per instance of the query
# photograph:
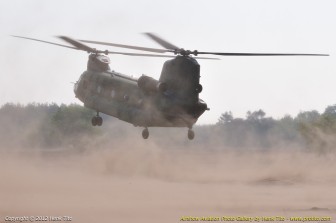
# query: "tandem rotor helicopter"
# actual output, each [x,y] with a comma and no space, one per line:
[171,101]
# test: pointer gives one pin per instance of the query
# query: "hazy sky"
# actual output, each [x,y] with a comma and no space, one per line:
[37,72]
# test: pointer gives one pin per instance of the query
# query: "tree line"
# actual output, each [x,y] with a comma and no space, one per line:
[48,126]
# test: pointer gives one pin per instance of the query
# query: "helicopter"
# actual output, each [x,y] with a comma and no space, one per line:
[171,101]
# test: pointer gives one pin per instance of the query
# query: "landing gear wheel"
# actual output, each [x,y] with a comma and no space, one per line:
[191,134]
[145,133]
[199,88]
[97,121]
[94,121]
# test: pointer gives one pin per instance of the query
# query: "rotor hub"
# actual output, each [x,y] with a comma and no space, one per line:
[184,52]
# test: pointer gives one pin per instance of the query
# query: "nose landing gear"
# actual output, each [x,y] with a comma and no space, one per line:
[191,134]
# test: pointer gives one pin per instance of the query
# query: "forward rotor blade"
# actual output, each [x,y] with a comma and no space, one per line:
[262,54]
[22,37]
[127,46]
[162,42]
[78,44]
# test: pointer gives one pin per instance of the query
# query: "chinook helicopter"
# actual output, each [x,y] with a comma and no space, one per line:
[171,101]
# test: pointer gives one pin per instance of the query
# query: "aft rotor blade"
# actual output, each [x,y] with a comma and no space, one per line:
[262,54]
[127,46]
[136,54]
[151,55]
[162,42]
[22,37]
[206,58]
[77,44]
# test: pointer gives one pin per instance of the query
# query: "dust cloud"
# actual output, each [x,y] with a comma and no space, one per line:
[145,182]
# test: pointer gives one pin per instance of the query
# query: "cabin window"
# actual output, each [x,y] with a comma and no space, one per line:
[126,97]
[99,89]
[113,93]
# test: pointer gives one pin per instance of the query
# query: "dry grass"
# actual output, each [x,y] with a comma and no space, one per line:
[149,184]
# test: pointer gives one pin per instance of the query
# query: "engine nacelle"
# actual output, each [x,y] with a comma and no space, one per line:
[149,84]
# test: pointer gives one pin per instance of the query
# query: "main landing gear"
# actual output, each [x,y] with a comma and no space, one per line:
[145,133]
[97,120]
[191,134]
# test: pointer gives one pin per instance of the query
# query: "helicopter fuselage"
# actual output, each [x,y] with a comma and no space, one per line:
[171,101]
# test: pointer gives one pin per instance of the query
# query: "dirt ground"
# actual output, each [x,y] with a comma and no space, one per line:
[151,184]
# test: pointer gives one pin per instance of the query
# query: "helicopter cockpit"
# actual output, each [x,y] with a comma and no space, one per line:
[98,62]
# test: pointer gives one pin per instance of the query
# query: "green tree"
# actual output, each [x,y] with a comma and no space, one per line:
[225,118]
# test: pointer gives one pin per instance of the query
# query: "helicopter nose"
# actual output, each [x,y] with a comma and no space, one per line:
[75,89]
